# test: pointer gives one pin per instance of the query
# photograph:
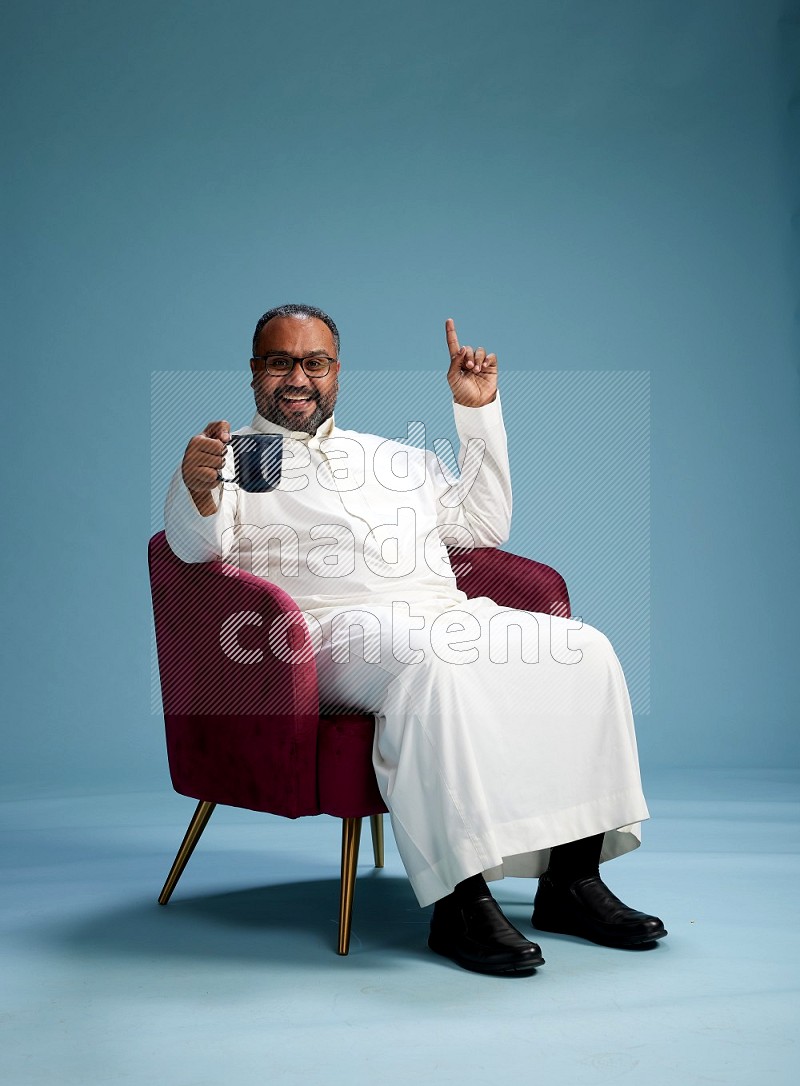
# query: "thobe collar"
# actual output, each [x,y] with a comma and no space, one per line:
[264,426]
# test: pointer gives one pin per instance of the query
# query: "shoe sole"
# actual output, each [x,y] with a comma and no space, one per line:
[632,942]
[511,969]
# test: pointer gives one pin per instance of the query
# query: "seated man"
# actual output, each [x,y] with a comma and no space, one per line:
[491,761]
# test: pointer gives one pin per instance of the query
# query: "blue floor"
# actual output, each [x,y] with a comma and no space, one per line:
[237,980]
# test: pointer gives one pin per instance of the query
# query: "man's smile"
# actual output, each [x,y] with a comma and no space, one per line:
[296,402]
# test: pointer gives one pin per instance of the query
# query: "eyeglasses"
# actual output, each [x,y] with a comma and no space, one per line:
[279,365]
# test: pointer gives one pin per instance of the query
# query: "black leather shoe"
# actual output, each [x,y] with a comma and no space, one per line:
[477,936]
[588,909]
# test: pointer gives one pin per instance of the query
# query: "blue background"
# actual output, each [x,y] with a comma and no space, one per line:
[583,186]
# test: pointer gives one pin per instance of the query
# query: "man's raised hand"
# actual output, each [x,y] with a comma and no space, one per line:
[202,463]
[473,373]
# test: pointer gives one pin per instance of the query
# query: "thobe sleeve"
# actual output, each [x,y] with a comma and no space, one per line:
[193,537]
[474,509]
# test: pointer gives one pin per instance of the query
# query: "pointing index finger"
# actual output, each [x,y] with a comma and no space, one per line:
[452,337]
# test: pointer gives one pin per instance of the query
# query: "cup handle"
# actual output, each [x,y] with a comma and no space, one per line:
[222,479]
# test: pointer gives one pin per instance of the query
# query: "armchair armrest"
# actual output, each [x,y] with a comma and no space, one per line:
[511,580]
[241,723]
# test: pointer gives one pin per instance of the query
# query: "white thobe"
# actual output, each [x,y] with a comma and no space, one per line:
[492,743]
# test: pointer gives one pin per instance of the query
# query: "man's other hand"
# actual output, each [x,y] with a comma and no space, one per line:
[473,373]
[202,463]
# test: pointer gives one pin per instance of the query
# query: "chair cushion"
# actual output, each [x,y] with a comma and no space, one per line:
[347,785]
[244,760]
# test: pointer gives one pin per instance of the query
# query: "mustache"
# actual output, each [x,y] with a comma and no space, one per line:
[297,391]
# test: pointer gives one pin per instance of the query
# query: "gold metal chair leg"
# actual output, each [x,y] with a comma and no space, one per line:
[196,826]
[351,836]
[376,825]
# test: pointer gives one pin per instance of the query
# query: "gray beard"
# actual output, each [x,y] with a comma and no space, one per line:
[269,407]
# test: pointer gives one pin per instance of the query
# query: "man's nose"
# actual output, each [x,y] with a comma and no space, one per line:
[297,373]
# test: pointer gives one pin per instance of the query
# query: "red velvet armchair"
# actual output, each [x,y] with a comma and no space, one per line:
[249,734]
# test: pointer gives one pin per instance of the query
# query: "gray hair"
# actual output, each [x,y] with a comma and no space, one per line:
[293,310]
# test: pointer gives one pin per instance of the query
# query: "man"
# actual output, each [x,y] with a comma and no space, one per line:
[492,762]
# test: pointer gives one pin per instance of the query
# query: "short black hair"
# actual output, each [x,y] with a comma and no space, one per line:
[294,310]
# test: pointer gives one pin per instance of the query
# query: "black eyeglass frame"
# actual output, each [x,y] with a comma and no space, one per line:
[301,360]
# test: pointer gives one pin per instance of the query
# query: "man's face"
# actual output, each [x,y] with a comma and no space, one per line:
[296,401]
